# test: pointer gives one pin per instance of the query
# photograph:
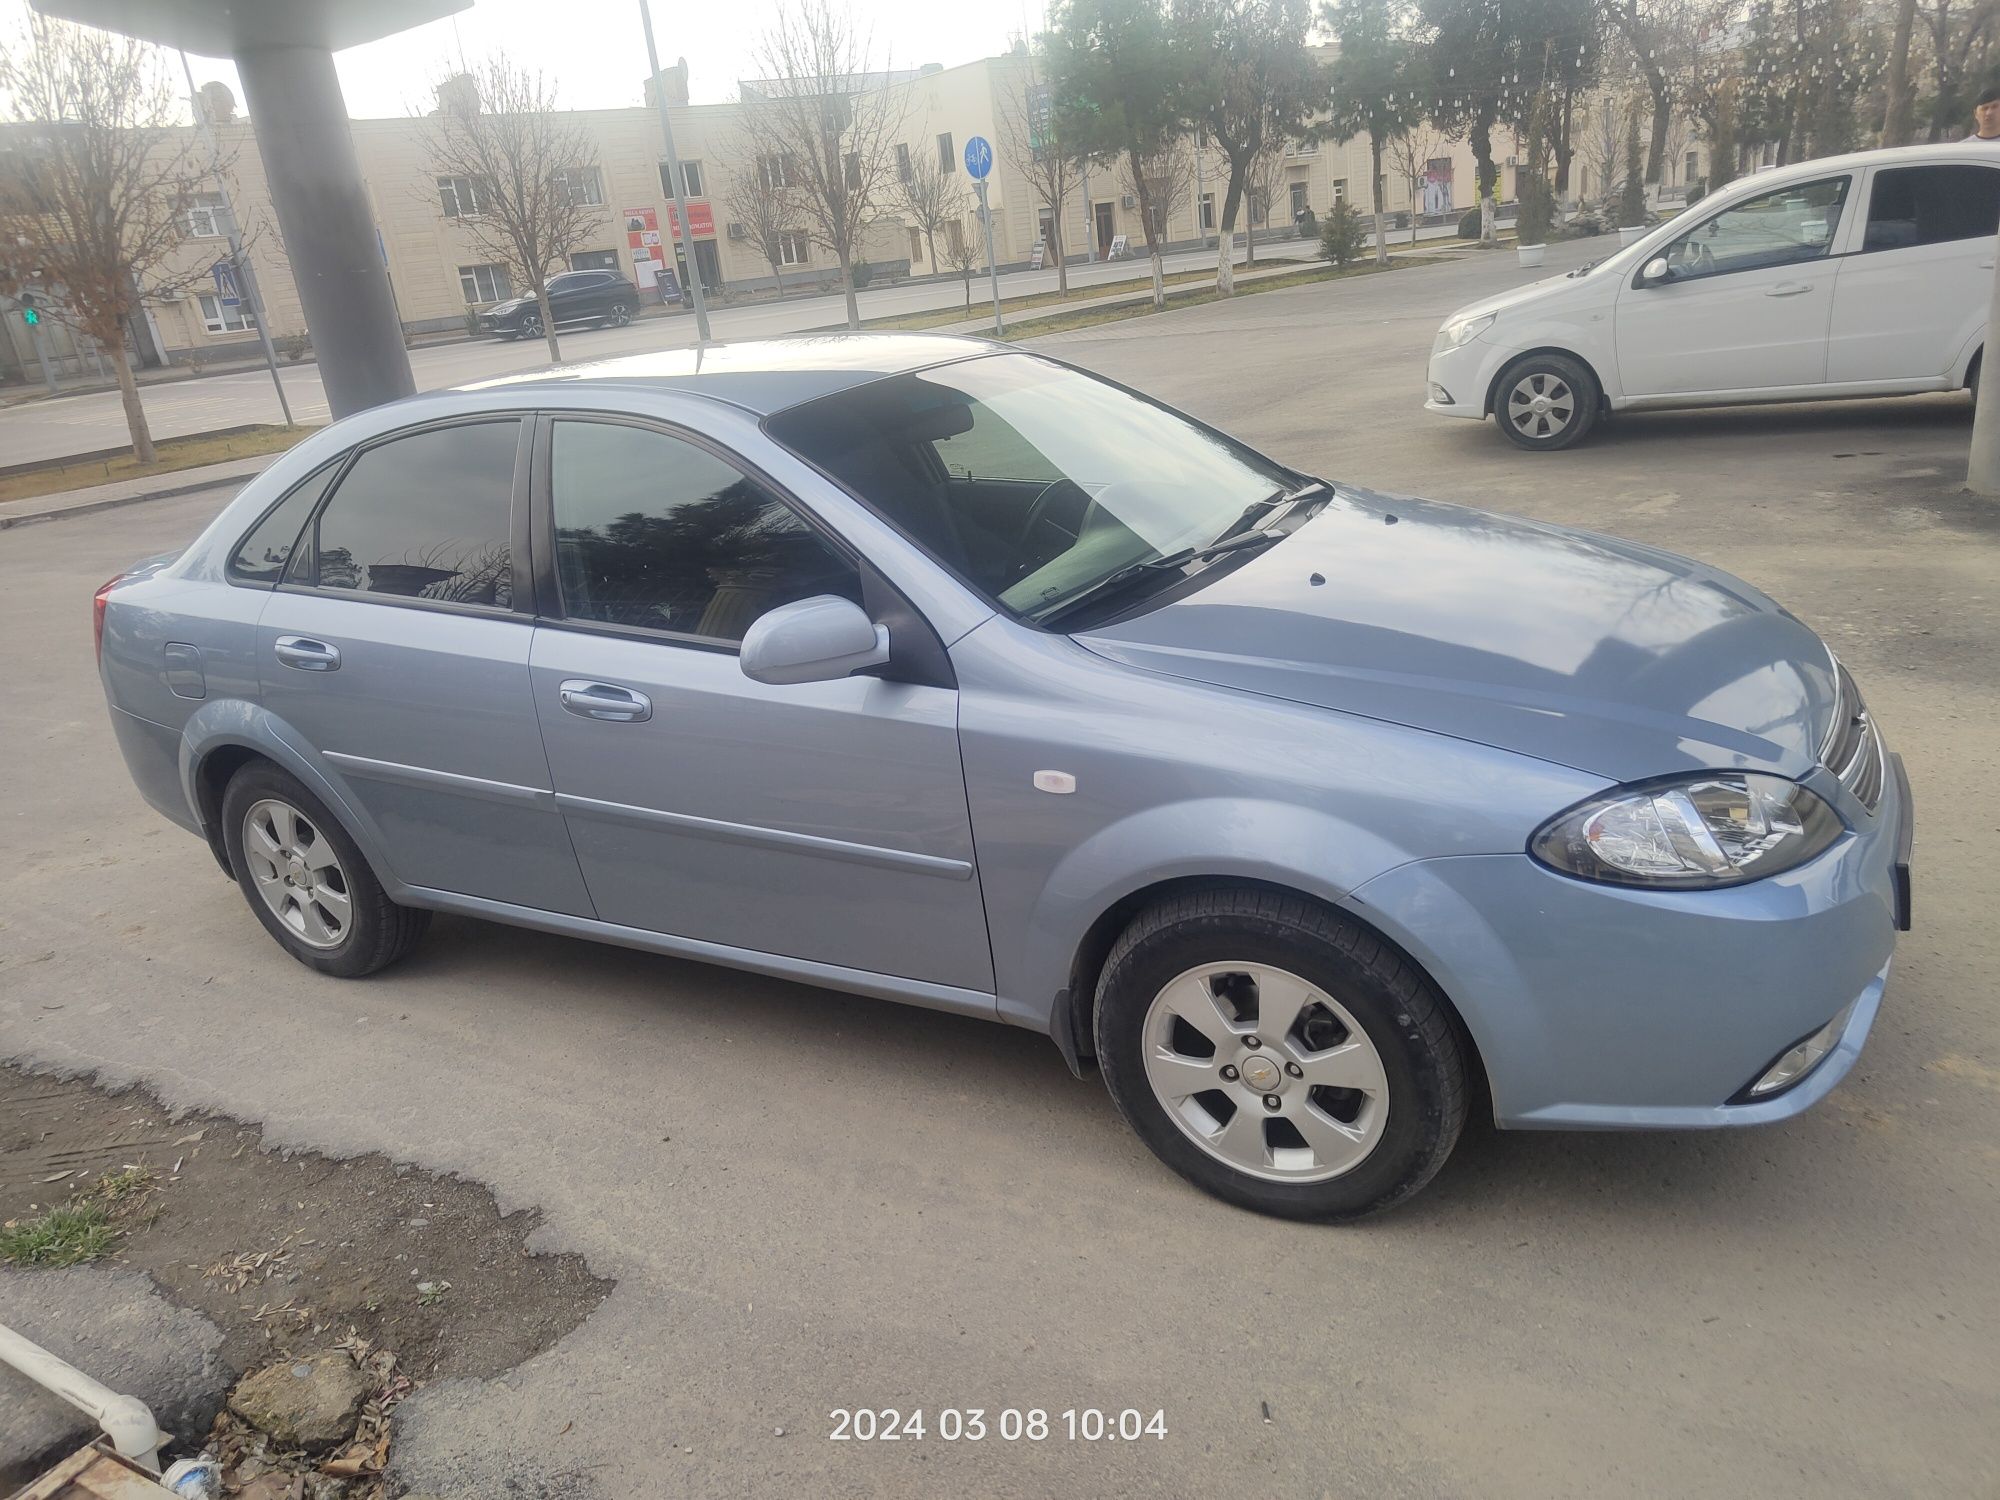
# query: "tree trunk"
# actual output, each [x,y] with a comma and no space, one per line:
[1225,237]
[1482,165]
[847,289]
[1144,194]
[1375,185]
[1059,248]
[548,323]
[128,396]
[1563,146]
[1656,148]
[930,248]
[1896,117]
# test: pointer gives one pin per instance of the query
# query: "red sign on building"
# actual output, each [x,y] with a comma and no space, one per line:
[700,214]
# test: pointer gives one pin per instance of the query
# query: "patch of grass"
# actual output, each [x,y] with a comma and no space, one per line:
[171,454]
[1089,317]
[114,1187]
[63,1236]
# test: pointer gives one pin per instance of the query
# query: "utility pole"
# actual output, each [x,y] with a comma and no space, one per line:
[246,283]
[1089,218]
[992,266]
[679,182]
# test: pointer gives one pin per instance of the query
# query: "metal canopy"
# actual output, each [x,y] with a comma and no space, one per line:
[220,28]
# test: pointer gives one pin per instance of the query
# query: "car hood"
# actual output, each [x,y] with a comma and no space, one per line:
[1594,653]
[1520,296]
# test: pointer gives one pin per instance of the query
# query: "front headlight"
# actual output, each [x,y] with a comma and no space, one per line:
[1718,828]
[1465,330]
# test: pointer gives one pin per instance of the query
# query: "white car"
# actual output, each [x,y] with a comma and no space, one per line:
[1862,275]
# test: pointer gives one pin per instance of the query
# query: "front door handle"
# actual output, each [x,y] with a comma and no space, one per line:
[307,654]
[603,700]
[1789,289]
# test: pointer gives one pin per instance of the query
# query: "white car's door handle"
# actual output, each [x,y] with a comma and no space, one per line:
[1986,265]
[1789,289]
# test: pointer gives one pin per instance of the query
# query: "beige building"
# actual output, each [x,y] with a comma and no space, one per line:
[441,277]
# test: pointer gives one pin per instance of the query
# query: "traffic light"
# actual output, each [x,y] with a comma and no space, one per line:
[30,314]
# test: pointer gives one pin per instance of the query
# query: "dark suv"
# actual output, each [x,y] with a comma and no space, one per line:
[601,297]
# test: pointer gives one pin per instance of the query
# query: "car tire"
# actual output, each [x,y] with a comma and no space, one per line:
[306,879]
[1370,1061]
[619,316]
[531,326]
[1546,402]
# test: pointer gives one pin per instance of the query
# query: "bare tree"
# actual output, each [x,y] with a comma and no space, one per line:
[823,118]
[962,254]
[1028,135]
[1411,154]
[764,206]
[1163,183]
[529,168]
[931,198]
[95,205]
[1602,145]
[1263,183]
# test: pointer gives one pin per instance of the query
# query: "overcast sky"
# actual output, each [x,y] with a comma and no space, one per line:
[596,50]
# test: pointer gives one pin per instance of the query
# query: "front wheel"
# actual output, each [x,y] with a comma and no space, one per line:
[1279,1056]
[531,326]
[307,881]
[1546,402]
[619,316]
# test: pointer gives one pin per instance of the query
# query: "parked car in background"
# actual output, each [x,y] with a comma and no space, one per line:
[601,297]
[930,669]
[1863,275]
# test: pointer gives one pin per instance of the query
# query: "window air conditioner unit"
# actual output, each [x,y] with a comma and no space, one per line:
[173,296]
[1128,201]
[738,232]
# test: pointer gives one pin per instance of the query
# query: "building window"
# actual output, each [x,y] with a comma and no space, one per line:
[1693,166]
[1258,209]
[774,173]
[207,218]
[1208,211]
[594,260]
[1299,199]
[947,158]
[582,184]
[483,283]
[854,169]
[218,317]
[1307,147]
[691,178]
[462,197]
[1340,190]
[954,238]
[916,246]
[904,171]
[793,250]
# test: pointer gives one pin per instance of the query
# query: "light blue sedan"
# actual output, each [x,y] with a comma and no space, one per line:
[932,670]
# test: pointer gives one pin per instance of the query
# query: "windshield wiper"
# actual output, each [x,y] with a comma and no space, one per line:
[1274,506]
[1112,582]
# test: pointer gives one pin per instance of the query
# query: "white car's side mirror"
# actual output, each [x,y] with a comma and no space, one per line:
[1656,271]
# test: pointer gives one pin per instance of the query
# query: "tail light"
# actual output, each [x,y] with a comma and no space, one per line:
[97,605]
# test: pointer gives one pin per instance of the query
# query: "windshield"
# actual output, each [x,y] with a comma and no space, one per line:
[1030,481]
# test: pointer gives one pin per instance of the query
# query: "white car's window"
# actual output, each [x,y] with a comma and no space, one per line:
[425,517]
[1780,228]
[654,532]
[1909,206]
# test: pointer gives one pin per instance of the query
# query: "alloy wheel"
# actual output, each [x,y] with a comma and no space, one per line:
[1266,1072]
[297,873]
[1541,405]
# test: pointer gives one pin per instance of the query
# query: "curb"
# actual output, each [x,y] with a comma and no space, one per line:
[10,519]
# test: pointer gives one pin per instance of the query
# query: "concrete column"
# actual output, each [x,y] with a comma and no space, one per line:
[315,178]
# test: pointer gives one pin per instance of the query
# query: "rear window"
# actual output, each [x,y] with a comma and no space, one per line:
[1932,205]
[264,552]
[426,516]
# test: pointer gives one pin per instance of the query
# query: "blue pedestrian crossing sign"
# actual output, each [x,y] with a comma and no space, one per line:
[225,284]
[979,157]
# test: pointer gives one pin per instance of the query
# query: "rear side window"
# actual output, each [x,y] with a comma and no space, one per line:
[655,532]
[1932,205]
[265,551]
[425,517]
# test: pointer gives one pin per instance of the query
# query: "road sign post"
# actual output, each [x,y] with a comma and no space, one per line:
[679,183]
[979,162]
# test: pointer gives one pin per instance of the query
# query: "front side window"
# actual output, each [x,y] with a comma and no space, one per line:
[1932,205]
[1783,227]
[218,316]
[1031,481]
[425,517]
[652,531]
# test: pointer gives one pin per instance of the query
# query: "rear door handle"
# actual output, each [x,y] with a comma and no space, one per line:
[307,654]
[1789,289]
[604,700]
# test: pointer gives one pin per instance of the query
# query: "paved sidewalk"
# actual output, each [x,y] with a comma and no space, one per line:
[234,474]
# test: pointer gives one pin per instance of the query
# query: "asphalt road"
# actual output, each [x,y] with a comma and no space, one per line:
[92,422]
[811,1201]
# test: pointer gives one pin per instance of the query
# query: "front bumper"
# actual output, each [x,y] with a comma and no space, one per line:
[1458,379]
[1600,1007]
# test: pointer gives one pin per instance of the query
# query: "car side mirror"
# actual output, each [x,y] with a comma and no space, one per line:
[1656,271]
[820,639]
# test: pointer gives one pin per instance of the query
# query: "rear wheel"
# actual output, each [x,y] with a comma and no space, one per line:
[1546,402]
[307,881]
[1279,1056]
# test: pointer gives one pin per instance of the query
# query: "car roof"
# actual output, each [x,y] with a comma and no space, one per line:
[1886,156]
[761,375]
